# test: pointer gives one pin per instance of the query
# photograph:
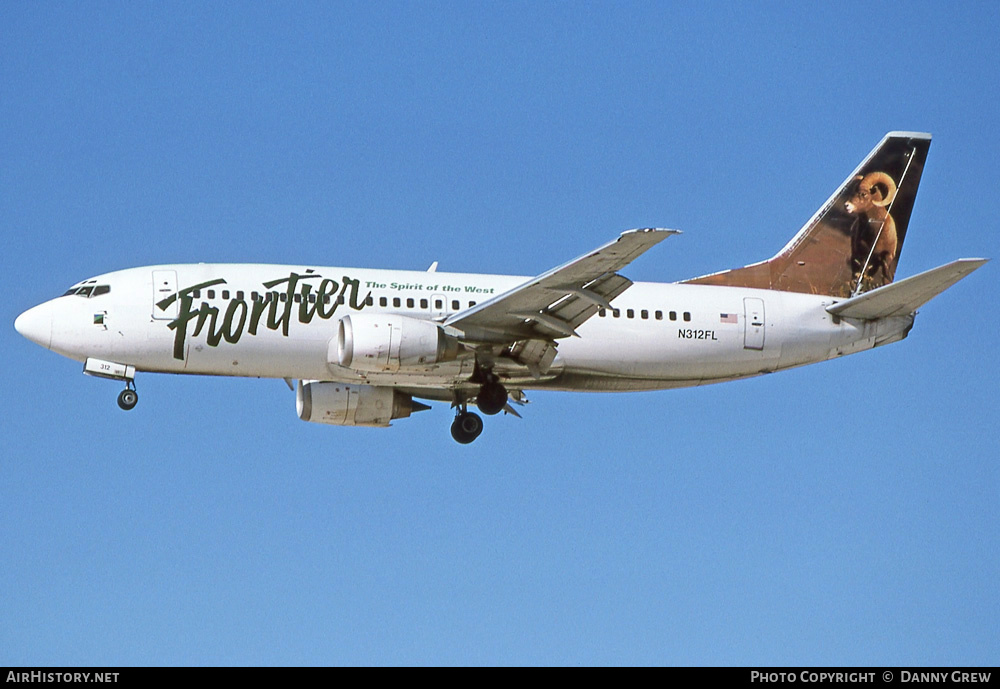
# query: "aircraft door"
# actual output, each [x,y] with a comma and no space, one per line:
[753,323]
[164,285]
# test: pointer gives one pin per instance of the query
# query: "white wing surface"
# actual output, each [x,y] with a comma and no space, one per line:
[555,303]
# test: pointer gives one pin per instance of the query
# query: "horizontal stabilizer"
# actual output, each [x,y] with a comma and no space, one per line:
[906,296]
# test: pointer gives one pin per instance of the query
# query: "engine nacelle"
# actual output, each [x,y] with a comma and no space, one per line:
[385,343]
[342,404]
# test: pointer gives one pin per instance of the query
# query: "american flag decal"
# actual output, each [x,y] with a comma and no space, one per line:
[728,318]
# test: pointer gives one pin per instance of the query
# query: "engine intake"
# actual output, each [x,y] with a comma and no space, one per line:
[342,404]
[385,343]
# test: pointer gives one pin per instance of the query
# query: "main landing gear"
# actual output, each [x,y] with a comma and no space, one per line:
[128,398]
[466,427]
[491,399]
[492,396]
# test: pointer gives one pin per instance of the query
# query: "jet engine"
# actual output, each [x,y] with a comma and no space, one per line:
[385,343]
[352,405]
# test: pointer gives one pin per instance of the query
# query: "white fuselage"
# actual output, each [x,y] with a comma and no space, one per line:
[281,322]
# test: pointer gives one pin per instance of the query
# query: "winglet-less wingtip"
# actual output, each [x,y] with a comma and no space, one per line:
[661,230]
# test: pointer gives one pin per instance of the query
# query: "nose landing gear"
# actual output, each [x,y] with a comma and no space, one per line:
[128,398]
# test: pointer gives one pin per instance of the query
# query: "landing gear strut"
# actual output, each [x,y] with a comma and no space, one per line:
[491,398]
[128,398]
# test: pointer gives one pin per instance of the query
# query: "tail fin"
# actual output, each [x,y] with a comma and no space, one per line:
[852,243]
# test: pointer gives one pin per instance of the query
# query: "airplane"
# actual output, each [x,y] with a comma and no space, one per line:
[366,345]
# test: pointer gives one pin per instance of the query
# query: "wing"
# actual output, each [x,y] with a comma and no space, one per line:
[556,302]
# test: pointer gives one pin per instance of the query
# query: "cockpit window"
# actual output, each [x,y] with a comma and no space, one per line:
[88,291]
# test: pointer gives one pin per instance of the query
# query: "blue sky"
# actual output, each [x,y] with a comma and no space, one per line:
[843,513]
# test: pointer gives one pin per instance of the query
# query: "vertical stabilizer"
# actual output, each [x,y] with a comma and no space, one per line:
[852,243]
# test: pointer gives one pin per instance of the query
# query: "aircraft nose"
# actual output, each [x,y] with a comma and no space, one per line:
[36,325]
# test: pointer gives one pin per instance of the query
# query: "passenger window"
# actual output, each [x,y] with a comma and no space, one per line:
[409,303]
[629,313]
[340,299]
[298,298]
[687,315]
[327,299]
[370,301]
[455,305]
[239,295]
[211,294]
[254,296]
[471,304]
[312,298]
[673,315]
[396,302]
[225,294]
[602,312]
[382,301]
[616,313]
[644,314]
[438,304]
[423,303]
[196,294]
[659,315]
[283,296]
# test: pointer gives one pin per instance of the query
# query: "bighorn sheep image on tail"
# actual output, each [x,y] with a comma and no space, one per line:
[874,230]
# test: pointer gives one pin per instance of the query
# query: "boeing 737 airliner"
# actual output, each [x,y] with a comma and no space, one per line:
[365,345]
